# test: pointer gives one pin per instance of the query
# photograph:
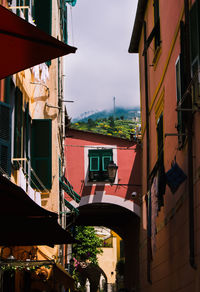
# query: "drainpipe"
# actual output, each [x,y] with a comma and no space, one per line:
[190,144]
[147,147]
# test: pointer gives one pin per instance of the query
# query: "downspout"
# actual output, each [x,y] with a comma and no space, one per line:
[190,142]
[147,147]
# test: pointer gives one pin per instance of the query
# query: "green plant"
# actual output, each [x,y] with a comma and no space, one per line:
[89,246]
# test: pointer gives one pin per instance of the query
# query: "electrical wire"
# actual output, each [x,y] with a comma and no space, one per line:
[101,147]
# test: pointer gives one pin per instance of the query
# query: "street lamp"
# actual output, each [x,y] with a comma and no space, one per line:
[112,170]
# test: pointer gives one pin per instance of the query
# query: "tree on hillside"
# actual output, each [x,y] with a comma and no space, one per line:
[91,123]
[111,122]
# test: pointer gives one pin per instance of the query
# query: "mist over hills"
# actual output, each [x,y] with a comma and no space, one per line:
[120,112]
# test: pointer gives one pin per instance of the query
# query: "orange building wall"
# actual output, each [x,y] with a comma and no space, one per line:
[170,269]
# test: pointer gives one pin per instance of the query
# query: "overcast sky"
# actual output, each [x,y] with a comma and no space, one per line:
[102,67]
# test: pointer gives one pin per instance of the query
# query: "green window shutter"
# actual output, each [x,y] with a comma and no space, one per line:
[41,152]
[18,123]
[179,94]
[65,35]
[5,137]
[42,14]
[157,23]
[27,134]
[94,163]
[7,90]
[18,3]
[180,86]
[194,33]
[94,160]
[105,161]
[98,162]
[160,135]
[26,3]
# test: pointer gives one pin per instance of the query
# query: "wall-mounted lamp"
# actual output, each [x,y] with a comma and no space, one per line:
[112,171]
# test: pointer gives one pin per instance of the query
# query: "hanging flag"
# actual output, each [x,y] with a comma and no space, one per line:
[175,177]
[71,2]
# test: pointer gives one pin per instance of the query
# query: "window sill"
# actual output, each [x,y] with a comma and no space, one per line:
[97,183]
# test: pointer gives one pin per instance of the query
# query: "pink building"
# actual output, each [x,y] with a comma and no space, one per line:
[115,205]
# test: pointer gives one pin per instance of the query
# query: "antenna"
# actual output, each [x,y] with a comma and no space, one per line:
[114,106]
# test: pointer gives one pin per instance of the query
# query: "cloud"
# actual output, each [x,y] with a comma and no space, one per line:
[102,67]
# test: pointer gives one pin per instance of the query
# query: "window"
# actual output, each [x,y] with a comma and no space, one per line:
[42,14]
[180,68]
[5,126]
[22,131]
[160,137]
[194,36]
[41,153]
[19,117]
[63,20]
[179,93]
[22,3]
[98,162]
[156,23]
[161,169]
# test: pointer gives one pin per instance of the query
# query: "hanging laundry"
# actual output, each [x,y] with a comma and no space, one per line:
[161,184]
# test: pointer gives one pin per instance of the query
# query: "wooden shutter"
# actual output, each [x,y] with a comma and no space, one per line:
[181,86]
[26,138]
[42,13]
[179,95]
[160,135]
[65,35]
[18,124]
[5,137]
[94,163]
[107,156]
[41,152]
[98,162]
[194,33]
[157,23]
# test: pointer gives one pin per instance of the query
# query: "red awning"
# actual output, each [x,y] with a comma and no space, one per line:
[23,45]
[23,222]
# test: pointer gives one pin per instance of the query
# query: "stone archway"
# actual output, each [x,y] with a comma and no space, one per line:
[101,197]
[93,273]
[124,222]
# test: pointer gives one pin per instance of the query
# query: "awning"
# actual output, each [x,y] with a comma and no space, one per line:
[23,45]
[14,201]
[23,222]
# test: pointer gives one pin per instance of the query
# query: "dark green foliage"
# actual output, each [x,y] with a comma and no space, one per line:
[111,122]
[112,127]
[89,246]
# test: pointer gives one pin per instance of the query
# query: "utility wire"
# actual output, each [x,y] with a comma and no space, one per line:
[100,147]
